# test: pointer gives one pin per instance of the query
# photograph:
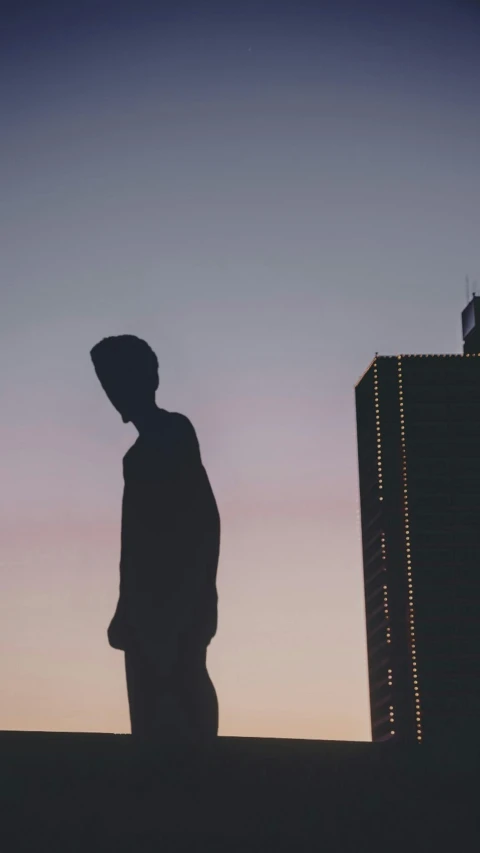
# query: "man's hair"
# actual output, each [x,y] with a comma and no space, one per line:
[126,354]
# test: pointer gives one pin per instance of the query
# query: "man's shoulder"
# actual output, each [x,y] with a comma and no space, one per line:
[175,438]
[181,424]
[183,432]
[130,452]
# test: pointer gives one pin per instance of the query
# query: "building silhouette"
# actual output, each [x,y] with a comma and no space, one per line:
[418,436]
[471,326]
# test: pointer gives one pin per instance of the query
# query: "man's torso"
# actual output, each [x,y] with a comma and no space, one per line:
[170,527]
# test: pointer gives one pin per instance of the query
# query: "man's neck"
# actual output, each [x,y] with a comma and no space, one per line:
[147,421]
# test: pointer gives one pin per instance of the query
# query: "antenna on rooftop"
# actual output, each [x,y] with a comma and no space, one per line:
[473,293]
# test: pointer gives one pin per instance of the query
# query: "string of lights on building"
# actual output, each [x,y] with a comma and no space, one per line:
[383,544]
[424,355]
[411,617]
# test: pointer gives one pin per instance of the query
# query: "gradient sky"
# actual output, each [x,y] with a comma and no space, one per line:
[268,193]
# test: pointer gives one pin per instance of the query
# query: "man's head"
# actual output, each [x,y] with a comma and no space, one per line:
[128,372]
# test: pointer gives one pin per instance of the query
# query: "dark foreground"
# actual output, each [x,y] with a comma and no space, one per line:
[97,792]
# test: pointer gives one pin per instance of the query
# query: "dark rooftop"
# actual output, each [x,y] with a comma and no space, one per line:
[103,792]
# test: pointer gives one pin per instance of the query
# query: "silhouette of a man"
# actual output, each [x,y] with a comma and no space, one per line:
[166,614]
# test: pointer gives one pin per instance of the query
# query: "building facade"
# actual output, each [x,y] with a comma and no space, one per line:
[418,435]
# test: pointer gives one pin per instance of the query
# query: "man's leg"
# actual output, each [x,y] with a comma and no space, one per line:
[155,712]
[196,693]
[139,690]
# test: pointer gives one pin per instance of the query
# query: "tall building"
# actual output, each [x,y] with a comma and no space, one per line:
[418,434]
